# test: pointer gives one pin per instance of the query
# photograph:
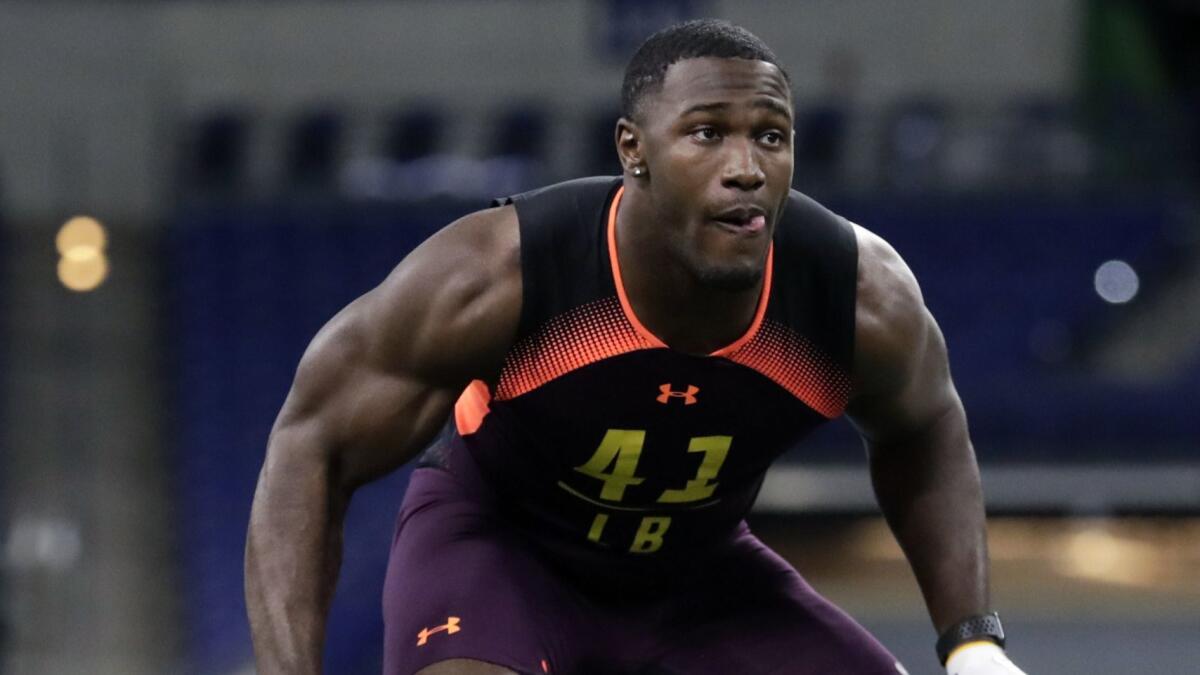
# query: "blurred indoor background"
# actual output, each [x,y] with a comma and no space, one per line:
[189,189]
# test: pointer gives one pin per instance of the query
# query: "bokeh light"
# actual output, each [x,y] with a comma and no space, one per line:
[82,273]
[1116,282]
[83,265]
[81,231]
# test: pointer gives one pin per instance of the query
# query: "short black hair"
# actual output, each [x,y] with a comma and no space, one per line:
[688,40]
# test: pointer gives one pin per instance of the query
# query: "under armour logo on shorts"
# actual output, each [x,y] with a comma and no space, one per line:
[688,396]
[451,627]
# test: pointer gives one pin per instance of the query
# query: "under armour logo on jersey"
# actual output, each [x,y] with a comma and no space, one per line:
[688,396]
[451,627]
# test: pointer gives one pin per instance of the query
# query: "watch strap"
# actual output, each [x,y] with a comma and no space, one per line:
[970,629]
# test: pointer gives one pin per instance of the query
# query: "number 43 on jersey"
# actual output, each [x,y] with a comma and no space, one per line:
[614,464]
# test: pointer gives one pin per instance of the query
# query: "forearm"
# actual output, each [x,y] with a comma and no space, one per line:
[928,488]
[293,551]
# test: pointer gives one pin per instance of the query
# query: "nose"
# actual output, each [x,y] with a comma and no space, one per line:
[742,170]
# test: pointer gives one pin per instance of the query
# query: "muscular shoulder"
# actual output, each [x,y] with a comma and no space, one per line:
[901,383]
[891,321]
[449,310]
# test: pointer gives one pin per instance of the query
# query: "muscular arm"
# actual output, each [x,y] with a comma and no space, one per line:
[375,385]
[909,414]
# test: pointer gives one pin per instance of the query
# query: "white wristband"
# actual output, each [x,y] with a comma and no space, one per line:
[980,658]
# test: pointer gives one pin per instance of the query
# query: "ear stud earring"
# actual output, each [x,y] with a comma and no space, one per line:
[637,171]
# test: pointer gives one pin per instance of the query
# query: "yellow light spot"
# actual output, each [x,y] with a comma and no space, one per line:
[81,254]
[81,242]
[81,232]
[82,272]
[1098,553]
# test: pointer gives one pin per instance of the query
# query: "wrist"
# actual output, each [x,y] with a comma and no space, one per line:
[981,628]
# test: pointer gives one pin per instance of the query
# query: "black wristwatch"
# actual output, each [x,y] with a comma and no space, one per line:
[971,629]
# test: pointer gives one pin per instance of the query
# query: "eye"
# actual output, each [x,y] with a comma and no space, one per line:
[772,138]
[705,134]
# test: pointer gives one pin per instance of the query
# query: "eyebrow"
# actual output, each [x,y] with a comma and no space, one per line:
[769,103]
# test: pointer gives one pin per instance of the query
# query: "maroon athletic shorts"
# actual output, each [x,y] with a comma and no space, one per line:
[462,583]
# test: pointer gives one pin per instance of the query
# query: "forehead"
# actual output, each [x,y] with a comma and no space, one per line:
[720,80]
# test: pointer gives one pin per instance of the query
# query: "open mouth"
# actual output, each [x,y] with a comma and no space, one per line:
[743,219]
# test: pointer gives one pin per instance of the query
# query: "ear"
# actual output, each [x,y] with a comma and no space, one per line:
[629,144]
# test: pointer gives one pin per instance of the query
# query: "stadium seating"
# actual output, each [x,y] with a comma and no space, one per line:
[215,154]
[915,139]
[414,133]
[600,159]
[521,132]
[821,140]
[314,149]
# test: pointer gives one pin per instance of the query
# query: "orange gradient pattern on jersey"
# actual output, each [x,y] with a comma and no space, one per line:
[608,327]
[599,330]
[795,364]
[472,407]
[584,335]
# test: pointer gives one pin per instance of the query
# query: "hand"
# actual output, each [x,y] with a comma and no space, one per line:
[980,658]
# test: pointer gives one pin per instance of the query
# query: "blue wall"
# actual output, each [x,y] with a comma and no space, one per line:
[248,288]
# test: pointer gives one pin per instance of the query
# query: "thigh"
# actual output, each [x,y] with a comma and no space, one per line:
[464,667]
[461,586]
[756,615]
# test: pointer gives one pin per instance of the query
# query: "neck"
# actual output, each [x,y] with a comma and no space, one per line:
[664,294]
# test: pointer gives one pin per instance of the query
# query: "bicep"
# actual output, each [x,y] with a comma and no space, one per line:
[381,378]
[911,392]
[360,416]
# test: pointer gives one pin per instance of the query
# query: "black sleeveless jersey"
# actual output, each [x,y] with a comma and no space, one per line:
[600,440]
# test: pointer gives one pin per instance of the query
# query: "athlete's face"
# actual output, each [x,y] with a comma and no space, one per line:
[716,143]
